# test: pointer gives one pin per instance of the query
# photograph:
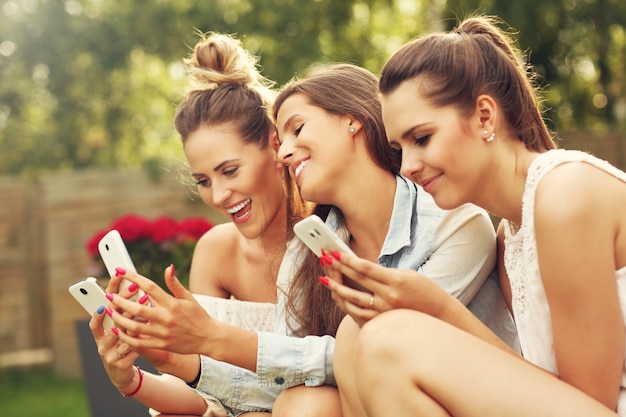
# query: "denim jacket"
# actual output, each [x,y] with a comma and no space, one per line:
[455,248]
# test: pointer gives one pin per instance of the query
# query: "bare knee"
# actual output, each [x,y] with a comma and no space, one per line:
[343,356]
[376,346]
[302,401]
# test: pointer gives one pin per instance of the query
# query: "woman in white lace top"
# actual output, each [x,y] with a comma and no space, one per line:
[230,144]
[463,110]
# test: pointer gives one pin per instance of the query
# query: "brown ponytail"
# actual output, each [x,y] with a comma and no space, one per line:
[476,58]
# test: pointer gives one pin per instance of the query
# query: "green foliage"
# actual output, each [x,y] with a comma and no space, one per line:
[86,82]
[578,48]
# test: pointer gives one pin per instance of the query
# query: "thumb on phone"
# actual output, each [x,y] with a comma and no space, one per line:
[175,286]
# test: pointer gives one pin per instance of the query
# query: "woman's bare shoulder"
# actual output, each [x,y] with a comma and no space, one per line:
[222,237]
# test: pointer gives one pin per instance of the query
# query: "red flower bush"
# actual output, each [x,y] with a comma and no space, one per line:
[192,228]
[155,244]
[132,227]
[164,229]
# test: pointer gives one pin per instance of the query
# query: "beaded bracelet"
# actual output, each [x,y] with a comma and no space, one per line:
[138,385]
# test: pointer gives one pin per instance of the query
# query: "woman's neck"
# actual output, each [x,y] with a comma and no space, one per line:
[503,196]
[273,240]
[367,207]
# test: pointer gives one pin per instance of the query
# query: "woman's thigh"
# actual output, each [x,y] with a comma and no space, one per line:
[303,401]
[409,360]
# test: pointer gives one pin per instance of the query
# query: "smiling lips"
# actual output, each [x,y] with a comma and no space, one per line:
[240,210]
[299,167]
[428,182]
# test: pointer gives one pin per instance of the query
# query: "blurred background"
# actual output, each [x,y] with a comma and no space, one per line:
[88,90]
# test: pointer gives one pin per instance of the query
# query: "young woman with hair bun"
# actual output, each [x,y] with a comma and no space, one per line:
[237,355]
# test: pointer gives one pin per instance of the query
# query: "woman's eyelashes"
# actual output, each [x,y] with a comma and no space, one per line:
[298,129]
[421,140]
[229,172]
[206,182]
[202,182]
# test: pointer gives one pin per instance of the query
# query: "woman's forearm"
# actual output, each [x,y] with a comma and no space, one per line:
[233,345]
[165,393]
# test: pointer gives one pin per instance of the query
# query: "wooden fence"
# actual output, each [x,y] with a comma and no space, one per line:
[44,227]
[43,230]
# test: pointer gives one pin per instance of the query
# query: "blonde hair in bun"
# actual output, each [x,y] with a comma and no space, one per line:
[227,87]
[219,58]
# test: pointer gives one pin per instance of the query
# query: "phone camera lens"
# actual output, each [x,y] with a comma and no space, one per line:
[84,291]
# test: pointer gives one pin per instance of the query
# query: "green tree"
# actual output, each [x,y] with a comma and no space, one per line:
[578,48]
[95,83]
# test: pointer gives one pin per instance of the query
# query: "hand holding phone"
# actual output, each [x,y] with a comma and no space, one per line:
[115,255]
[90,294]
[317,236]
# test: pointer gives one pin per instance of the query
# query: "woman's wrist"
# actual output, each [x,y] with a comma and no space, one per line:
[194,383]
[134,385]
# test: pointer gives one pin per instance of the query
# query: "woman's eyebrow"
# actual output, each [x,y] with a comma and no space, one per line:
[289,122]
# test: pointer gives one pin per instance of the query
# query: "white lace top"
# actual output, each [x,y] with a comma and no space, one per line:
[255,316]
[530,306]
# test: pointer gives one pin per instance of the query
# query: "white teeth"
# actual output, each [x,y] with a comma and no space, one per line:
[301,167]
[238,207]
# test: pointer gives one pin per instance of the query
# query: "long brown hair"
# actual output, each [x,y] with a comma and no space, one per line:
[476,58]
[339,89]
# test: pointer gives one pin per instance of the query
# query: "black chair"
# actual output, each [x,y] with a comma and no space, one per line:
[104,400]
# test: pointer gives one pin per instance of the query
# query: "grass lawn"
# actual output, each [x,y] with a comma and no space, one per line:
[40,394]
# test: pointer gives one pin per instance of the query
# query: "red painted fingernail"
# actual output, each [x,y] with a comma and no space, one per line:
[119,271]
[109,311]
[336,255]
[109,296]
[133,287]
[321,262]
[323,280]
[143,299]
[172,271]
[327,259]
[115,331]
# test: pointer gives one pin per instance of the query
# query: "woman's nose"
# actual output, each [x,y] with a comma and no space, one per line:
[221,194]
[411,167]
[285,152]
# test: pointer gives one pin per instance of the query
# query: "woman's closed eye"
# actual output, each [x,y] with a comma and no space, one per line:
[421,140]
[203,182]
[298,129]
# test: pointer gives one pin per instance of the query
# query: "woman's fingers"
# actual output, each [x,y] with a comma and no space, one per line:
[95,324]
[358,304]
[175,286]
[114,284]
[359,313]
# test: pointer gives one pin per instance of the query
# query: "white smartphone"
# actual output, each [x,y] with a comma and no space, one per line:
[90,294]
[115,255]
[317,236]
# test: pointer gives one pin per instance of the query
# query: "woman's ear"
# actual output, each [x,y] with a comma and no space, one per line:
[487,112]
[275,144]
[354,125]
[274,141]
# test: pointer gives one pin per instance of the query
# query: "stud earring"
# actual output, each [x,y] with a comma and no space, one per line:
[352,129]
[491,137]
